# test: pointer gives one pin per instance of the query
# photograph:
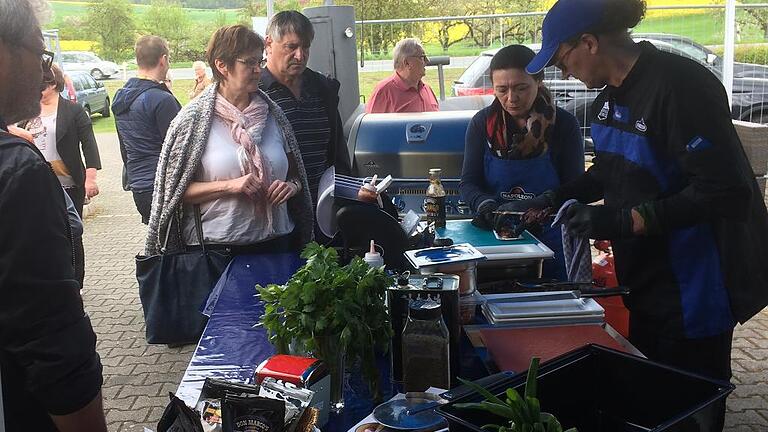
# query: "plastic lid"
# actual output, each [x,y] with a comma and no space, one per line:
[435,170]
[424,310]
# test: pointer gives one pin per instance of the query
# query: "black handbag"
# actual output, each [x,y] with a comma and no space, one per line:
[174,286]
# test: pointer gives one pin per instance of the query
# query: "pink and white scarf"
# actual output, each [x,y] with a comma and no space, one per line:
[246,128]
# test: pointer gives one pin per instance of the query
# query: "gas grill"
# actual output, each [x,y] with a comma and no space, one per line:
[406,146]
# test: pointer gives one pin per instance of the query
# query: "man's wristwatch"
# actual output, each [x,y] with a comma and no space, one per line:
[296,183]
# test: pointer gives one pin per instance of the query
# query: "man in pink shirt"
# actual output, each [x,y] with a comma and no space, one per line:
[404,91]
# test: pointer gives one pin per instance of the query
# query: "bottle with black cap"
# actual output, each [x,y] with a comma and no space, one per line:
[425,343]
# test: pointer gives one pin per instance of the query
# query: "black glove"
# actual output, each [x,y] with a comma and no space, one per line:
[598,222]
[484,215]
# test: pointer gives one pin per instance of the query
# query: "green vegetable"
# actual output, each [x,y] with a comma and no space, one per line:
[328,309]
[523,414]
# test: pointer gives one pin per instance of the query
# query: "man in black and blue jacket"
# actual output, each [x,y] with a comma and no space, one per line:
[681,206]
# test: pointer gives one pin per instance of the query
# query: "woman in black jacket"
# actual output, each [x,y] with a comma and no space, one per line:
[64,134]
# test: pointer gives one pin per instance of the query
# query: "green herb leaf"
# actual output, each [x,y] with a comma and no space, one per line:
[530,383]
[485,393]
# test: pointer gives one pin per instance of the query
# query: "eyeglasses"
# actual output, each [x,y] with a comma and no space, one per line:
[423,58]
[47,59]
[253,62]
[560,64]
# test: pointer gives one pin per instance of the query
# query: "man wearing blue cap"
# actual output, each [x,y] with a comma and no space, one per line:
[687,221]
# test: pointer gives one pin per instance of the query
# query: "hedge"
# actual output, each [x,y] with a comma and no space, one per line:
[757,54]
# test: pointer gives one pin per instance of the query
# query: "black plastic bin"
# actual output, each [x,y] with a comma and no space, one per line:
[597,389]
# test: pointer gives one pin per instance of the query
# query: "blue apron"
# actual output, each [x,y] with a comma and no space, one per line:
[524,179]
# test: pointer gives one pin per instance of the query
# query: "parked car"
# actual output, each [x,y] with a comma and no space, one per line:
[750,94]
[89,93]
[705,55]
[83,61]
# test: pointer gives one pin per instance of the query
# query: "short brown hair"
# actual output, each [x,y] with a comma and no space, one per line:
[229,42]
[149,50]
[58,77]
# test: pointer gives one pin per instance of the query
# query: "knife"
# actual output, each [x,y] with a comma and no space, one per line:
[459,392]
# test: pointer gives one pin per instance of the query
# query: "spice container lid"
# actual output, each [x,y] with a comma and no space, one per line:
[424,310]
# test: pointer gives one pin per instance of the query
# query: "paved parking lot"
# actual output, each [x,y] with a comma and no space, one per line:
[138,377]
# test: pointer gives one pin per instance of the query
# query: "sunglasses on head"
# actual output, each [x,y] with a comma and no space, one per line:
[47,59]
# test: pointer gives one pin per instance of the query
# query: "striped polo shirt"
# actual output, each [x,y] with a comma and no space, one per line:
[309,117]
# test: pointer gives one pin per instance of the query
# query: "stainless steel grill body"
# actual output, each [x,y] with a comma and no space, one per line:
[406,146]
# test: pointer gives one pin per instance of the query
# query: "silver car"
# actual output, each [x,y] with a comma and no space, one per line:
[83,61]
[89,93]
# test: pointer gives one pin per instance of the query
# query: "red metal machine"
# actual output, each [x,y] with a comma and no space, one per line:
[604,275]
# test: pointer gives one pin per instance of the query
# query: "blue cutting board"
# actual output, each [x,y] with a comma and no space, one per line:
[462,231]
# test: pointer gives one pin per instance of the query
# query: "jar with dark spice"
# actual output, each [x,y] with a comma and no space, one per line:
[425,343]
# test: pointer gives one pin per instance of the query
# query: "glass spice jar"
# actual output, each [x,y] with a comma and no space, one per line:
[425,345]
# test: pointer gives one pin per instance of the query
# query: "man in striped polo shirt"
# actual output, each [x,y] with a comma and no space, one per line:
[309,99]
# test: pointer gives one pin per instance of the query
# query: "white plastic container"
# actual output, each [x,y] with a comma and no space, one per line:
[373,257]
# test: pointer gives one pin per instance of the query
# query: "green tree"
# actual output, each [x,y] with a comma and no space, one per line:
[754,16]
[251,8]
[112,23]
[446,33]
[379,39]
[169,20]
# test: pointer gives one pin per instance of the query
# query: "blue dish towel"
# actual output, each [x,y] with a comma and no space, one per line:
[576,249]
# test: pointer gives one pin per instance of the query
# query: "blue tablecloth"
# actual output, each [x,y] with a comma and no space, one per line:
[231,348]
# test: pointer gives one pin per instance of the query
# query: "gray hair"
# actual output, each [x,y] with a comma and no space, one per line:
[405,48]
[19,17]
[291,21]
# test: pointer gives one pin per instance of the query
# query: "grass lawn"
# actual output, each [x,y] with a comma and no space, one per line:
[703,26]
[63,9]
[367,81]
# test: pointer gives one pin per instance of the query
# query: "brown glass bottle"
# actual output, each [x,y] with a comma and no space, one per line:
[434,203]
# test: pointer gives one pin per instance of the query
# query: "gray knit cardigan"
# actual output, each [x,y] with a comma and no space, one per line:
[180,158]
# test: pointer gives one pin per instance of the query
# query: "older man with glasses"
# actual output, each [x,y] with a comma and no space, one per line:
[50,372]
[404,91]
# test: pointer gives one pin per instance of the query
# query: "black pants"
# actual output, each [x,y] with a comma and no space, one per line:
[710,356]
[143,200]
[77,195]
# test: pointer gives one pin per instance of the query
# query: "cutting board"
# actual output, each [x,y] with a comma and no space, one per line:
[512,348]
[462,231]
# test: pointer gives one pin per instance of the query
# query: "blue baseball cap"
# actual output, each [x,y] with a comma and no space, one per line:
[565,20]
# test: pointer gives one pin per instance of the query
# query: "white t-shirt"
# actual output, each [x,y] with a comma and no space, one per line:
[43,129]
[233,219]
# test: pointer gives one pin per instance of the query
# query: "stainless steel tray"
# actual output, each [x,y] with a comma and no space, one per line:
[542,321]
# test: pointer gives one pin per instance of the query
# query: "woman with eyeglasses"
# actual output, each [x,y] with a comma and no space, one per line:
[64,134]
[404,91]
[231,156]
[518,147]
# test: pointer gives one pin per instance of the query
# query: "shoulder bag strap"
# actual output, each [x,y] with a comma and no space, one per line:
[199,227]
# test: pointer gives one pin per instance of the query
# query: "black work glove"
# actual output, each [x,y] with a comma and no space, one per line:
[598,222]
[484,215]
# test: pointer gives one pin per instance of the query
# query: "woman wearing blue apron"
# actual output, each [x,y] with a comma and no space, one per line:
[518,147]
